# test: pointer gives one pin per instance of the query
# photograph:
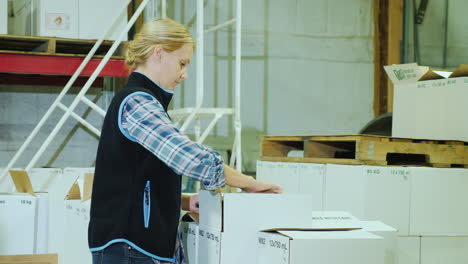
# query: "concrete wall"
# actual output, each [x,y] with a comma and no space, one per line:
[307,66]
[22,107]
[307,69]
[433,32]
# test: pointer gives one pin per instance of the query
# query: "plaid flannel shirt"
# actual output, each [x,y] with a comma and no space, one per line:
[144,119]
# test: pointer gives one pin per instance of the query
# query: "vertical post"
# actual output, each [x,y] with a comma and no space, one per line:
[388,33]
[237,107]
[163,8]
[395,37]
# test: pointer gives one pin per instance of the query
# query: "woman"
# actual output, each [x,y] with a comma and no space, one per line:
[141,156]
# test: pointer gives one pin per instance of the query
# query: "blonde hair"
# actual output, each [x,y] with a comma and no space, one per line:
[162,31]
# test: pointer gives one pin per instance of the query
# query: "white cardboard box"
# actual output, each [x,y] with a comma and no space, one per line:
[190,241]
[229,222]
[58,18]
[305,178]
[427,105]
[389,234]
[448,249]
[438,201]
[330,247]
[77,19]
[24,218]
[409,250]
[95,18]
[370,192]
[228,211]
[3,16]
[71,209]
[17,224]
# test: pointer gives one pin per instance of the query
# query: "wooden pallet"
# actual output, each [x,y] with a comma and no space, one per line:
[365,149]
[54,46]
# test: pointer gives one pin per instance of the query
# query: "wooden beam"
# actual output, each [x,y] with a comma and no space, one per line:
[388,33]
[395,37]
[132,7]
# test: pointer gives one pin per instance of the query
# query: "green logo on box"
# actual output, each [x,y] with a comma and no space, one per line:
[400,74]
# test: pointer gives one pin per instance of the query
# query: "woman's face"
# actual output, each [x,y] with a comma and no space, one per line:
[174,66]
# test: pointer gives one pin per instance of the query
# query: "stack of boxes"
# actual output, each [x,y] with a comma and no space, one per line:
[426,205]
[74,19]
[48,212]
[288,228]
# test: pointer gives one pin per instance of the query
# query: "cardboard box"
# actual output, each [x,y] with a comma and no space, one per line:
[304,247]
[72,210]
[190,241]
[57,18]
[427,104]
[229,222]
[389,234]
[438,201]
[3,16]
[304,178]
[24,218]
[29,259]
[227,211]
[409,250]
[89,10]
[67,19]
[448,249]
[370,192]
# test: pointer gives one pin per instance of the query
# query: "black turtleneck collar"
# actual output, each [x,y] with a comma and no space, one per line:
[138,79]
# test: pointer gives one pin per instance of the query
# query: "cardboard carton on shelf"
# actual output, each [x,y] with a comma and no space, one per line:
[429,104]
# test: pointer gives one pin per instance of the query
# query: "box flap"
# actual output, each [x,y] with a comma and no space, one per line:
[325,228]
[85,192]
[22,182]
[329,235]
[191,217]
[460,71]
[88,186]
[74,193]
[211,209]
[256,211]
[405,73]
[434,74]
[376,226]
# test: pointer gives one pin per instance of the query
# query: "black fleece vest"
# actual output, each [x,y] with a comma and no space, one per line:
[136,197]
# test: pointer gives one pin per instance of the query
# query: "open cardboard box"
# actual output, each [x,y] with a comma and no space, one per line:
[189,229]
[428,103]
[229,222]
[77,209]
[334,237]
[24,218]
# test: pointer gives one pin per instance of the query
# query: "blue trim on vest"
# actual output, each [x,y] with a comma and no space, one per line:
[119,240]
[124,101]
[147,204]
[167,91]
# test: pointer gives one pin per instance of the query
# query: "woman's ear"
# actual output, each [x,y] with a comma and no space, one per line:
[158,51]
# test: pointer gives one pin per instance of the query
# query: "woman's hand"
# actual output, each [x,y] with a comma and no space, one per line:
[189,202]
[194,206]
[263,187]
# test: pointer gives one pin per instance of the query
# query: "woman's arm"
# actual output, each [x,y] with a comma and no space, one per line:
[248,183]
